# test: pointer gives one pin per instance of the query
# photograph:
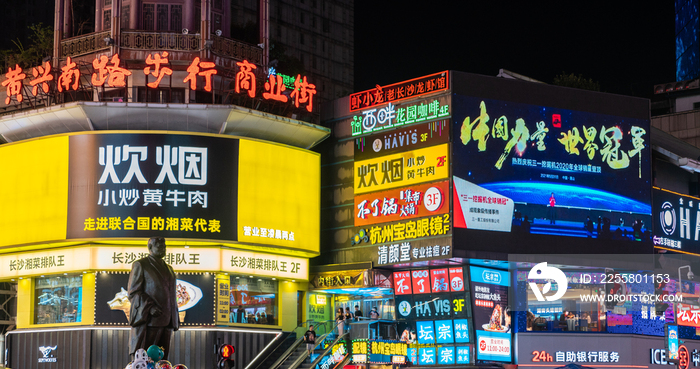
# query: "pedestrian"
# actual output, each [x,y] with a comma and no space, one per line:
[374,314]
[348,318]
[240,314]
[552,202]
[340,321]
[358,313]
[310,339]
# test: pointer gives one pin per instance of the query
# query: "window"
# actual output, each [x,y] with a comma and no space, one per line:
[302,17]
[696,105]
[176,18]
[108,2]
[125,17]
[326,25]
[197,18]
[218,4]
[301,38]
[107,20]
[253,301]
[58,299]
[162,19]
[149,13]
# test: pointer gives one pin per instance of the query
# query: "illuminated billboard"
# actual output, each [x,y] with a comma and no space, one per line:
[399,91]
[675,221]
[402,203]
[134,185]
[531,169]
[492,319]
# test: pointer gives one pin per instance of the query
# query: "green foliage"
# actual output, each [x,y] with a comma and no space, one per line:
[41,46]
[572,80]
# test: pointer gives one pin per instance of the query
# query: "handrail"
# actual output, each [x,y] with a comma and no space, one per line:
[303,357]
[329,348]
[271,347]
[291,349]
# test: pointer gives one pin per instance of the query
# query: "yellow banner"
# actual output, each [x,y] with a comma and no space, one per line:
[223,290]
[195,259]
[403,169]
[35,184]
[279,198]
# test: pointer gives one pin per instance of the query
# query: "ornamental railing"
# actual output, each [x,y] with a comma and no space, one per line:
[160,41]
[227,47]
[84,44]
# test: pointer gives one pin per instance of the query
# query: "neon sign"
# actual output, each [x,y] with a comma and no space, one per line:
[108,72]
[374,120]
[399,91]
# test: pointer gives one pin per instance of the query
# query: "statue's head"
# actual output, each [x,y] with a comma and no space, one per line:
[156,246]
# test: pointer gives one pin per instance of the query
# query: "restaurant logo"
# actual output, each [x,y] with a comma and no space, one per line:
[543,272]
[405,308]
[47,356]
[668,218]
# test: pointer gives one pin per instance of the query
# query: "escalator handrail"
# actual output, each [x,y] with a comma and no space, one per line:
[290,350]
[303,357]
[272,350]
[329,348]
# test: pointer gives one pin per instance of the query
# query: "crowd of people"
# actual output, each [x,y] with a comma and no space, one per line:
[240,315]
[343,318]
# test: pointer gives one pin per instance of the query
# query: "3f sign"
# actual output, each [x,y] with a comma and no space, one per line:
[543,273]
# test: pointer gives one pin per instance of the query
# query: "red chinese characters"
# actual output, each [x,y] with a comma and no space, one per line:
[421,281]
[275,86]
[200,68]
[14,83]
[402,283]
[42,75]
[158,71]
[70,76]
[245,79]
[303,93]
[439,279]
[117,75]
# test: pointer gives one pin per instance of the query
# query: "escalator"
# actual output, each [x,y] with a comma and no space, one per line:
[290,352]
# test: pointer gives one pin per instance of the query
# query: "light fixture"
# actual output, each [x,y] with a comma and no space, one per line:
[12,280]
[238,277]
[251,276]
[218,32]
[262,46]
[109,41]
[259,280]
[185,31]
[293,281]
[274,279]
[42,276]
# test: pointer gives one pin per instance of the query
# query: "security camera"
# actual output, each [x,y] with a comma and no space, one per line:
[185,31]
[691,275]
[218,32]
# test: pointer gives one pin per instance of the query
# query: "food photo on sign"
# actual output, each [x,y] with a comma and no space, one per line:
[492,314]
[195,293]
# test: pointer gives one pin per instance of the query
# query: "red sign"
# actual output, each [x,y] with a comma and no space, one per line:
[439,280]
[421,281]
[402,203]
[688,315]
[400,91]
[402,283]
[456,279]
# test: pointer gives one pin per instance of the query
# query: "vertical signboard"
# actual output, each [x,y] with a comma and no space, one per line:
[402,283]
[492,320]
[671,334]
[223,310]
[421,281]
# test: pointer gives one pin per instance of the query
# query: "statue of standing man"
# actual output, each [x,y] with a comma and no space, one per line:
[152,293]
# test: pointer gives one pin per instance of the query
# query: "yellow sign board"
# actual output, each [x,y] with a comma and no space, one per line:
[223,290]
[403,169]
[279,196]
[270,265]
[115,186]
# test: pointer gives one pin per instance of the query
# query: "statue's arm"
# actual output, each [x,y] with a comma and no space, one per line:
[141,302]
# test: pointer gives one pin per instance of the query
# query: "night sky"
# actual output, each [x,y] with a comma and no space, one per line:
[627,47]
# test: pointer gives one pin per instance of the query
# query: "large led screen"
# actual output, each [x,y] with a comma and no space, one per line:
[529,169]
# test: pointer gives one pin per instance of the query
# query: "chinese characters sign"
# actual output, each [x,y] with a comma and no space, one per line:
[106,72]
[391,116]
[549,159]
[399,91]
[402,203]
[492,321]
[45,262]
[176,185]
[342,279]
[282,266]
[414,251]
[404,169]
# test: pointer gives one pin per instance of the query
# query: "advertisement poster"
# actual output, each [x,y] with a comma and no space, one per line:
[195,298]
[492,321]
[402,283]
[421,281]
[439,280]
[398,140]
[535,169]
[402,203]
[456,279]
[130,185]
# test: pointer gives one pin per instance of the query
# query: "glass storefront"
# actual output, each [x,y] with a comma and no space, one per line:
[569,313]
[253,301]
[58,299]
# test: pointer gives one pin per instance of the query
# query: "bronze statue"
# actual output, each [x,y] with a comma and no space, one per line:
[154,314]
